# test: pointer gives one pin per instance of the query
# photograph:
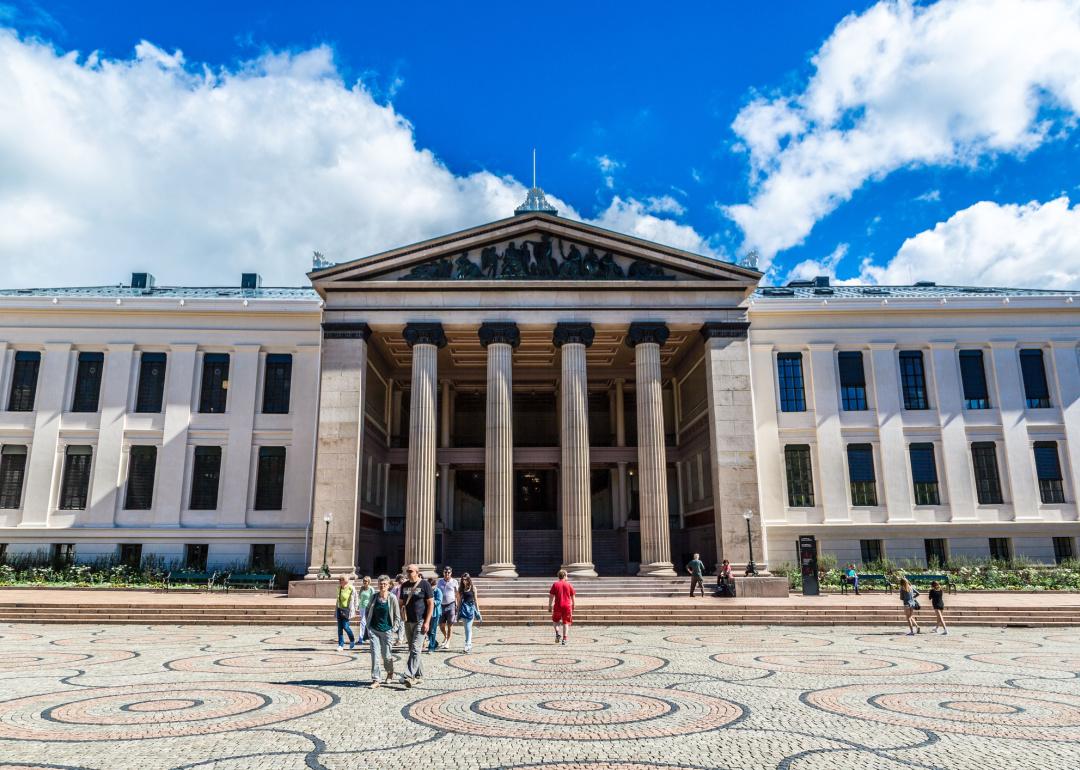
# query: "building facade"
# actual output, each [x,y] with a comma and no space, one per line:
[531,394]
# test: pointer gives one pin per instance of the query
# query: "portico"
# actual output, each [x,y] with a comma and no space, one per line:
[534,394]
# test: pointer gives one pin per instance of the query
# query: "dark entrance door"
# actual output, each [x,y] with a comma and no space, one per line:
[537,537]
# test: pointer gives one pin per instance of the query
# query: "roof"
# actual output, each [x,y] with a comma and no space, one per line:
[168,292]
[918,291]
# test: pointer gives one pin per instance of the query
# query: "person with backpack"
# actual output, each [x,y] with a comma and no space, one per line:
[937,601]
[467,608]
[433,632]
[382,617]
[344,611]
[909,597]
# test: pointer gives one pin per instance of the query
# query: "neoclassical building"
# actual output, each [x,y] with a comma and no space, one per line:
[537,393]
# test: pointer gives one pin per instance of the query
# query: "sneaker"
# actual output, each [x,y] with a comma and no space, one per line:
[389,678]
[564,641]
[945,632]
[557,637]
[406,681]
[340,648]
[375,683]
[918,630]
[352,645]
[910,633]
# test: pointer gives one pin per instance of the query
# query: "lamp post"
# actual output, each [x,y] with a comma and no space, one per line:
[324,571]
[751,568]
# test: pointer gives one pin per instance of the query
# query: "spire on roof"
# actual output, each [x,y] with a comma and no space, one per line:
[534,199]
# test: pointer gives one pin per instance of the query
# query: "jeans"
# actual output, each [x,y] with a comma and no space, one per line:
[381,648]
[414,634]
[432,642]
[468,632]
[343,625]
[697,582]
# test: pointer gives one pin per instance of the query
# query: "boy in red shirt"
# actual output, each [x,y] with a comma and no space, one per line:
[561,606]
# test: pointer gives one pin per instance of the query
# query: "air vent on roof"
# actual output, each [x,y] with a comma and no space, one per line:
[975,290]
[824,291]
[821,280]
[800,284]
[142,281]
[926,283]
[778,292]
[250,280]
[876,292]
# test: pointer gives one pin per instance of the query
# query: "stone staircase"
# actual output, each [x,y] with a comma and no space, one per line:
[643,588]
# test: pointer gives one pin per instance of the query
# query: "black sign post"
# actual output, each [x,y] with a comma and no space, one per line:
[808,561]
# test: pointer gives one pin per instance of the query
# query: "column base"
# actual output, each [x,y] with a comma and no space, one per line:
[314,571]
[427,570]
[503,570]
[580,569]
[657,569]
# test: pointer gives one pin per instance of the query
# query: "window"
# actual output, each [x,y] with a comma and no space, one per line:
[1063,549]
[936,554]
[987,479]
[262,557]
[852,381]
[924,474]
[140,486]
[861,474]
[792,394]
[872,551]
[76,480]
[1048,469]
[24,381]
[270,481]
[195,556]
[800,479]
[151,383]
[1000,549]
[215,383]
[973,377]
[3,553]
[277,383]
[131,555]
[12,473]
[1036,392]
[205,474]
[88,382]
[913,379]
[63,554]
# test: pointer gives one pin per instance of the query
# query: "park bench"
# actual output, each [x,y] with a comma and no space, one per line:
[925,580]
[188,577]
[866,581]
[251,580]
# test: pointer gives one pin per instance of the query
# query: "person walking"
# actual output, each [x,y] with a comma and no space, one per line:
[937,601]
[418,603]
[399,631]
[364,598]
[383,615]
[433,631]
[852,578]
[344,611]
[561,607]
[449,586]
[696,568]
[467,608]
[909,597]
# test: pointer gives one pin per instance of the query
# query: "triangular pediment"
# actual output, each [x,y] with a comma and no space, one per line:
[535,247]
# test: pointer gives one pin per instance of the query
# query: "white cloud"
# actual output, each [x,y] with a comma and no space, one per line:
[1036,245]
[664,204]
[608,166]
[902,85]
[930,196]
[154,163]
[809,269]
[633,218]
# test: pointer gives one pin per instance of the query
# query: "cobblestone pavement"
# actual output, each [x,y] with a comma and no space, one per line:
[228,698]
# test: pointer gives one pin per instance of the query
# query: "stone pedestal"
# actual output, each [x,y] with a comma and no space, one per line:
[646,339]
[425,341]
[575,480]
[499,339]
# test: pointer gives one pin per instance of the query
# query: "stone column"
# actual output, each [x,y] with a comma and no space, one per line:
[425,339]
[1067,365]
[500,339]
[1019,461]
[646,339]
[342,388]
[575,489]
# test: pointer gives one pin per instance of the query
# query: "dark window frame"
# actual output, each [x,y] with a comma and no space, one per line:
[86,395]
[196,556]
[1064,549]
[976,389]
[791,381]
[205,478]
[150,390]
[24,380]
[1033,374]
[1001,549]
[12,475]
[142,473]
[936,549]
[924,476]
[257,559]
[75,480]
[862,476]
[852,374]
[214,383]
[913,380]
[1048,472]
[799,471]
[130,555]
[270,479]
[277,383]
[872,554]
[987,473]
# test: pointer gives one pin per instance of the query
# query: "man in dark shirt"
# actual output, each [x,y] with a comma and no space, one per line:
[417,604]
[696,569]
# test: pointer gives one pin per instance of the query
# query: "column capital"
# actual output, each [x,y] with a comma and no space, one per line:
[725,330]
[425,334]
[580,333]
[646,331]
[334,330]
[505,332]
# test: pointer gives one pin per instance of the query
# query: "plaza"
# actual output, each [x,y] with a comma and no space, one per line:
[616,698]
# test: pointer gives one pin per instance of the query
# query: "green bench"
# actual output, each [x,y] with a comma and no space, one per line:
[253,580]
[186,577]
[925,580]
[864,580]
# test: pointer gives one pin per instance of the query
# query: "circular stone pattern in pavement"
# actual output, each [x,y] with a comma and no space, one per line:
[829,664]
[547,639]
[561,665]
[11,662]
[261,662]
[748,641]
[612,765]
[164,638]
[953,642]
[1046,661]
[155,711]
[582,712]
[991,712]
[17,636]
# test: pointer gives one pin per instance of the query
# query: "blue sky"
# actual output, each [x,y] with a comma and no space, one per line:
[886,142]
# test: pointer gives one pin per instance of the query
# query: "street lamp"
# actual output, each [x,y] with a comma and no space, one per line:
[324,572]
[751,568]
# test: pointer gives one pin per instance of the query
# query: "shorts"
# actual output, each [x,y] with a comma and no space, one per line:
[562,615]
[448,615]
